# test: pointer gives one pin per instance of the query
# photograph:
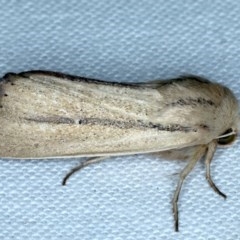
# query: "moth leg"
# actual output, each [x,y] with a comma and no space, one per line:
[200,151]
[209,156]
[82,165]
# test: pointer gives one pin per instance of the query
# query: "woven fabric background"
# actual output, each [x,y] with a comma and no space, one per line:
[124,197]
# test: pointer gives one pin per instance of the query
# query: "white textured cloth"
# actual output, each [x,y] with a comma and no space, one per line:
[128,197]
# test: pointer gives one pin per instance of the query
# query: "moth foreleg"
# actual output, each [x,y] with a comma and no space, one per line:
[209,156]
[200,151]
[82,165]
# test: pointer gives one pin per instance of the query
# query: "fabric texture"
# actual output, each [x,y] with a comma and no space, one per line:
[130,41]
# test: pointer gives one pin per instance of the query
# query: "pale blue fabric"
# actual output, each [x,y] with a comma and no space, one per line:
[128,197]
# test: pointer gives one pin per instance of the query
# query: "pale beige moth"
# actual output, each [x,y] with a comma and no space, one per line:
[50,115]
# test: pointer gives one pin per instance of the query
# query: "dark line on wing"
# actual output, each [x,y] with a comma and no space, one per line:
[133,124]
[186,78]
[158,83]
[72,78]
[114,123]
[192,102]
[54,120]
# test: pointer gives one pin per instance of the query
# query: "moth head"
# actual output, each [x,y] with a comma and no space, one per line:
[227,137]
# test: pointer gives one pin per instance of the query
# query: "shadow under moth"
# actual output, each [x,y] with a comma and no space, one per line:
[48,115]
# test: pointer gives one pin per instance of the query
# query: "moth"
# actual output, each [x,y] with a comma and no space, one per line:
[48,115]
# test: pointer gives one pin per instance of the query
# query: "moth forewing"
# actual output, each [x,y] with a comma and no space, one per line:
[46,114]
